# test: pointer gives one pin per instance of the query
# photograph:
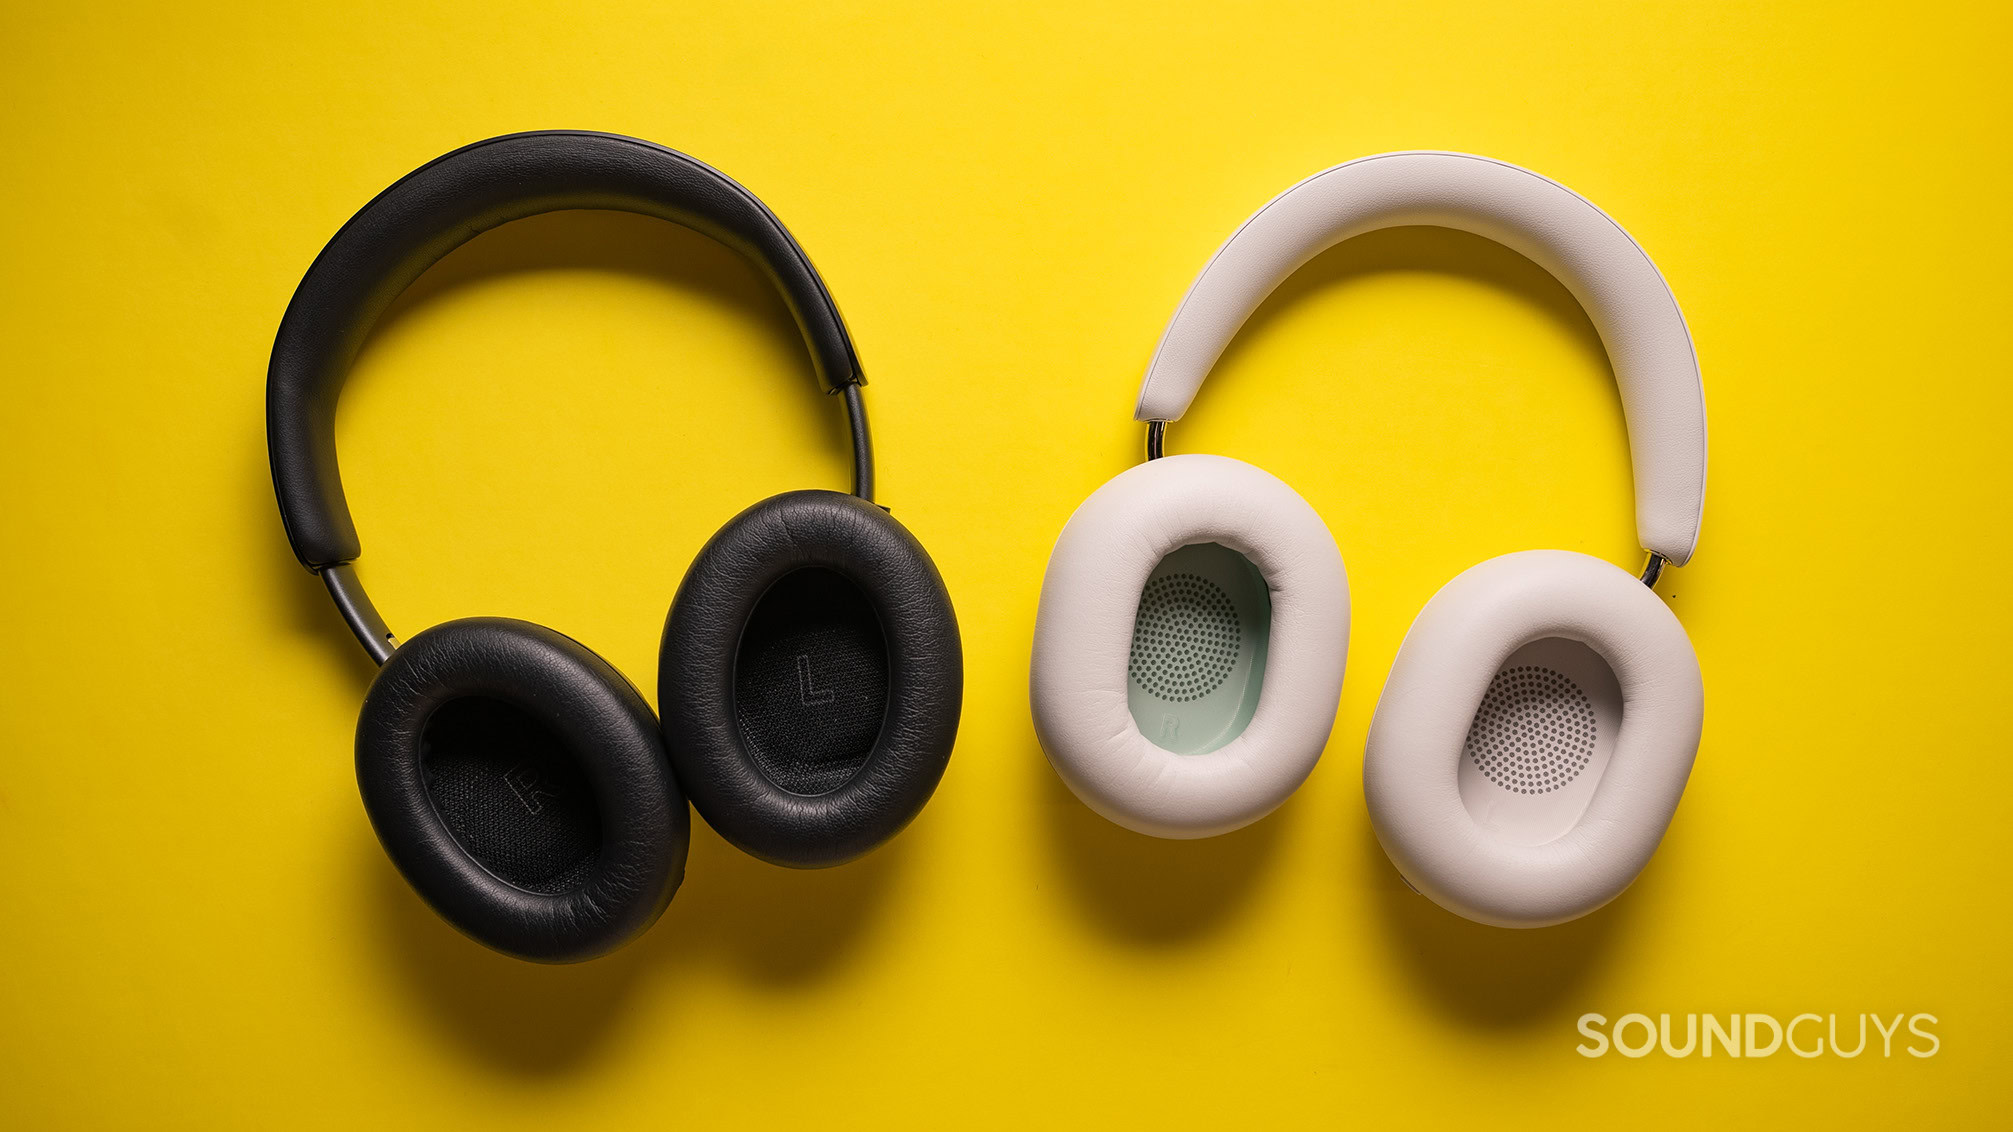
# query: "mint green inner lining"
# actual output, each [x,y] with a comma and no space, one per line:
[1198,649]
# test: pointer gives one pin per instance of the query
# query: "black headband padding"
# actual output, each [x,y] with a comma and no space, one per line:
[606,733]
[709,746]
[444,204]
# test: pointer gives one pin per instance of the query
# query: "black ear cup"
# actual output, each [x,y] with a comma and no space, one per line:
[520,785]
[811,679]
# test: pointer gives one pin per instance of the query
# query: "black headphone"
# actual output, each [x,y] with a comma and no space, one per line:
[811,674]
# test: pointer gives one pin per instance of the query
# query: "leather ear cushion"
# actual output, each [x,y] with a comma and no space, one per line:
[707,728]
[491,746]
[1447,663]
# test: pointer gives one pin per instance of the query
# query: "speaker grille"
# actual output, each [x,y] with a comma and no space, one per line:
[511,793]
[811,681]
[1534,732]
[1186,638]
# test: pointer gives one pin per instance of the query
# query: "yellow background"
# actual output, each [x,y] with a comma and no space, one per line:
[198,929]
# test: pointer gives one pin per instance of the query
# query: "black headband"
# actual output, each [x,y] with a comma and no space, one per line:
[451,200]
[445,203]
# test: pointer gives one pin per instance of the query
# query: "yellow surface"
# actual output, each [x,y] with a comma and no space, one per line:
[197,928]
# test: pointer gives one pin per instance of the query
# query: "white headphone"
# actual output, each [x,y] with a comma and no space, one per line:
[1543,713]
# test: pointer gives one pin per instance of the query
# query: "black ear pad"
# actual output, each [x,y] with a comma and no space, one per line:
[811,679]
[519,783]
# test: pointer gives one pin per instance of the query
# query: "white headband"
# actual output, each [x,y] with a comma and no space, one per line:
[1626,298]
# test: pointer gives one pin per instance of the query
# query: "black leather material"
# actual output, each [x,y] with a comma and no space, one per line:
[449,201]
[708,745]
[602,728]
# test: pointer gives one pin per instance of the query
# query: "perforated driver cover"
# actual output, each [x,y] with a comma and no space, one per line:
[1534,732]
[1186,638]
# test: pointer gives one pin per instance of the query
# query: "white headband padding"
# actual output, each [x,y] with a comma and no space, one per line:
[1083,640]
[1623,294]
[1456,646]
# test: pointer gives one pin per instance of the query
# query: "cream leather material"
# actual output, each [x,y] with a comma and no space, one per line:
[1083,639]
[1624,295]
[1446,664]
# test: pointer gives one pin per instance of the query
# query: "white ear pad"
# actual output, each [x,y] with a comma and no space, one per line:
[1080,681]
[1533,738]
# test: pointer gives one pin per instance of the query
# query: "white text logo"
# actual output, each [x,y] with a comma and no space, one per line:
[1759,1035]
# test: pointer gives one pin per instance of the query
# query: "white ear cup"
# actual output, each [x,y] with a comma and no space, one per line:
[1081,676]
[1532,741]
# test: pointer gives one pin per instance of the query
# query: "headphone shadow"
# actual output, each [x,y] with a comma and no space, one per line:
[1424,248]
[775,926]
[529,1018]
[1488,977]
[1150,891]
[772,926]
[779,927]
